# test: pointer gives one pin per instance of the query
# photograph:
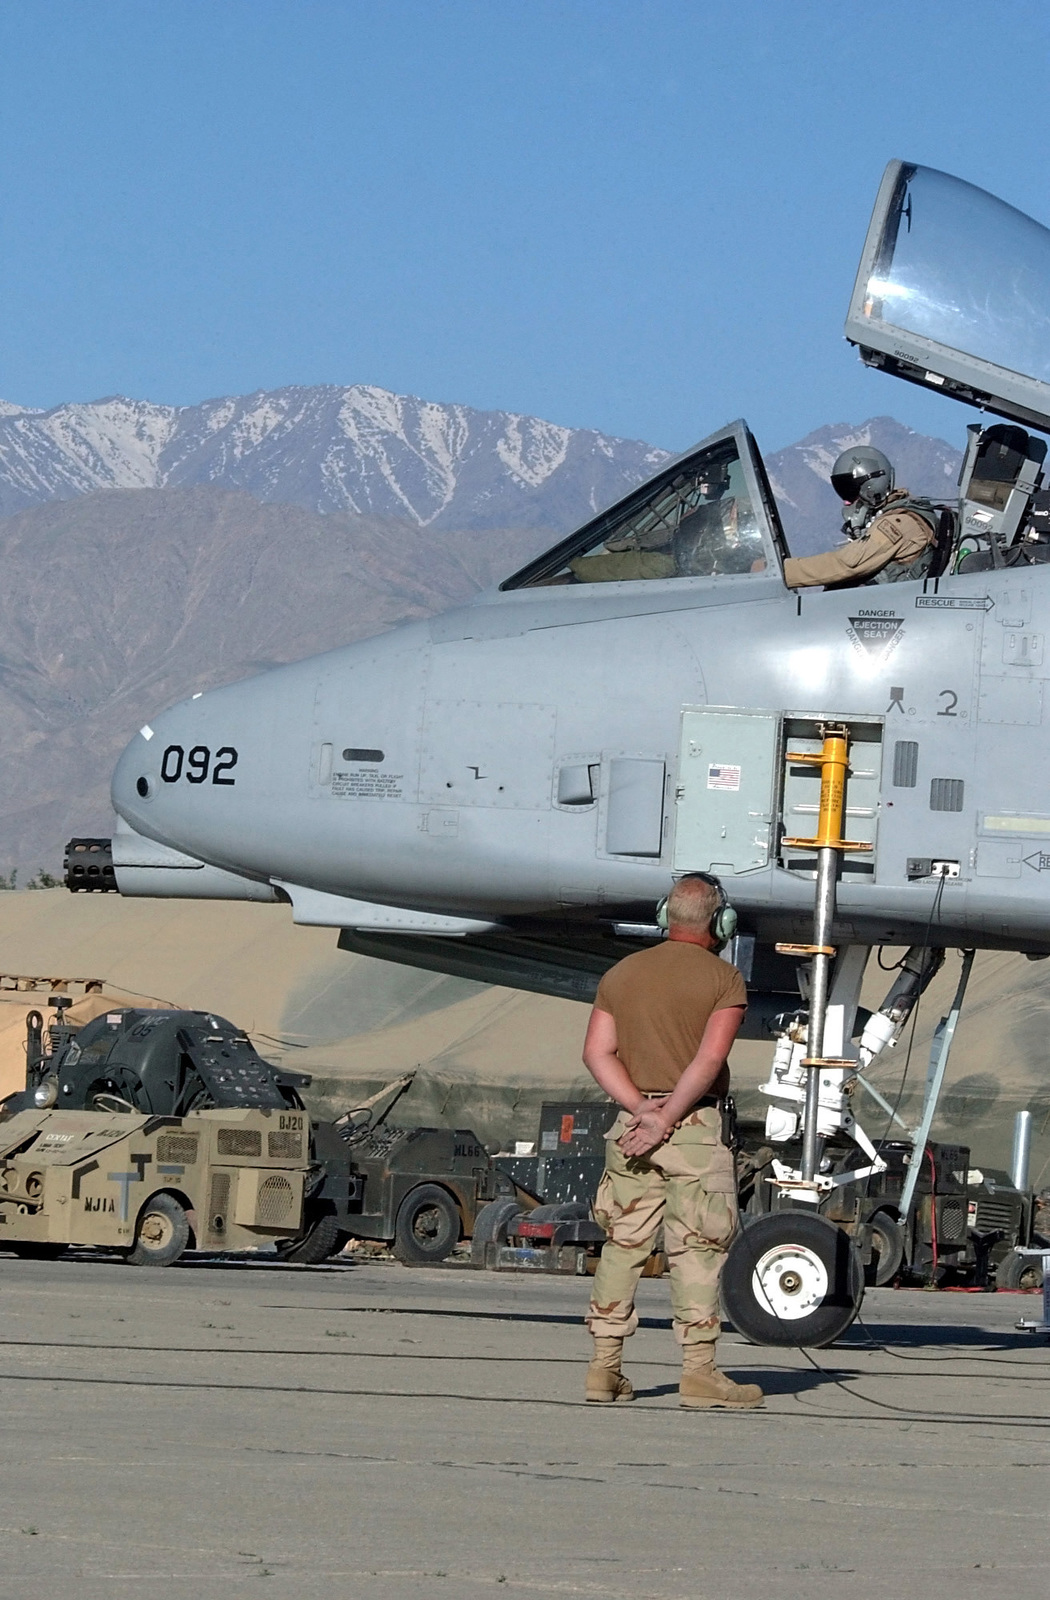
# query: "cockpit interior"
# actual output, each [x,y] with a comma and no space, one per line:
[709,514]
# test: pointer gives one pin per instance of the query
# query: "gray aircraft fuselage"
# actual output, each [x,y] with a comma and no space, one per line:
[477,712]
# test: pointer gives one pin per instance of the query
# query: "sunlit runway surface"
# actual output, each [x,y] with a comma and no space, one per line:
[366,1430]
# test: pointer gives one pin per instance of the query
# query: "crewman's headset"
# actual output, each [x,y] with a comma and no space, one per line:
[723,922]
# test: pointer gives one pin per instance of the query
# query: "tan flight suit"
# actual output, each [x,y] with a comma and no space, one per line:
[688,1183]
[897,536]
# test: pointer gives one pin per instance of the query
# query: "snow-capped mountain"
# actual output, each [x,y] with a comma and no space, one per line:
[357,449]
[365,450]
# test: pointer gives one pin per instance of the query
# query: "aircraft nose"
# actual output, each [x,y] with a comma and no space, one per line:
[167,770]
[137,781]
[203,778]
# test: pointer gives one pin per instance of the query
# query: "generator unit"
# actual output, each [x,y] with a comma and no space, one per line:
[565,1161]
[419,1189]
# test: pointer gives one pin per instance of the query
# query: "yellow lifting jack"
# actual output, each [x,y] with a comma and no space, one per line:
[833,761]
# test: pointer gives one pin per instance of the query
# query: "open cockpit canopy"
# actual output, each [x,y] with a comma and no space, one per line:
[953,292]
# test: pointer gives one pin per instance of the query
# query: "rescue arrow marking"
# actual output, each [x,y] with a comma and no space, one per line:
[953,602]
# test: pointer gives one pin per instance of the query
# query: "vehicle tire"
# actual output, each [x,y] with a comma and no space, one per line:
[162,1233]
[1019,1272]
[887,1249]
[491,1226]
[792,1278]
[323,1238]
[427,1226]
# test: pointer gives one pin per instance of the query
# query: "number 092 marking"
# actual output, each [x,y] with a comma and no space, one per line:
[194,767]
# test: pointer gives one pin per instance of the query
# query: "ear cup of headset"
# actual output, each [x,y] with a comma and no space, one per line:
[724,921]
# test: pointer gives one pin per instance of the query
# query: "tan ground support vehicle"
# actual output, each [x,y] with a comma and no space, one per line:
[151,1186]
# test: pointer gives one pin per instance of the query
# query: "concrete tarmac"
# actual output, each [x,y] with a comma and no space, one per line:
[373,1432]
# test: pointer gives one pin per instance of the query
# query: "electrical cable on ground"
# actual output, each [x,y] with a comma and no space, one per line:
[897,1355]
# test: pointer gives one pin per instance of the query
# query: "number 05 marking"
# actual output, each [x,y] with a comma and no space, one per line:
[175,764]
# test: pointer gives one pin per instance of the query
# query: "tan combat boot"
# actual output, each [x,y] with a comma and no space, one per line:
[605,1382]
[703,1387]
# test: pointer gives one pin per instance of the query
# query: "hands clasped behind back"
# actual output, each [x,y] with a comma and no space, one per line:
[648,1127]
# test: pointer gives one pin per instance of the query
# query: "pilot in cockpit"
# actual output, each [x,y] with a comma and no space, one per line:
[890,534]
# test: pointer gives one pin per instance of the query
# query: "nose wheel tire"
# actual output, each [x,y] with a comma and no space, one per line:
[792,1278]
[427,1226]
[162,1234]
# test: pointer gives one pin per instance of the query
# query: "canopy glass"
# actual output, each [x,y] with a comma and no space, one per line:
[954,292]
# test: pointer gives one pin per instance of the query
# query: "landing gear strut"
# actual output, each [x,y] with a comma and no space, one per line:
[792,1276]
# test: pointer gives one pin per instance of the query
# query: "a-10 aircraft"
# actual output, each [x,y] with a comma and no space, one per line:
[505,791]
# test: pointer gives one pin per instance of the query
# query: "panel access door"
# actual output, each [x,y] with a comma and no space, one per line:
[726,794]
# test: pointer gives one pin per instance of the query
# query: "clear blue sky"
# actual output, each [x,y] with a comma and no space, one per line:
[638,215]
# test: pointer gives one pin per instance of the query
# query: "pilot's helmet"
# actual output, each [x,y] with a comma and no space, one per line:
[862,473]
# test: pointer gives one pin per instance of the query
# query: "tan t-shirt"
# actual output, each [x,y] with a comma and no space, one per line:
[661,1000]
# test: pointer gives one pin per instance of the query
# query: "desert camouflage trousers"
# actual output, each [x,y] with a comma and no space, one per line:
[689,1184]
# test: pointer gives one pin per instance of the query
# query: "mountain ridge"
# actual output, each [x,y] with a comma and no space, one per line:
[365,450]
[357,448]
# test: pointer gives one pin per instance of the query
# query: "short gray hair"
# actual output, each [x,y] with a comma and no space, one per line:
[691,904]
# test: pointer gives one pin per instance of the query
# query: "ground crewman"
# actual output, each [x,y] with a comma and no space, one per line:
[657,1042]
[890,534]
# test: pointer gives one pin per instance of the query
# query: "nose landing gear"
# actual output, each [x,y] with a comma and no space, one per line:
[792,1277]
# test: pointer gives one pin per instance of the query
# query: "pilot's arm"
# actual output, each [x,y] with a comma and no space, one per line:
[895,536]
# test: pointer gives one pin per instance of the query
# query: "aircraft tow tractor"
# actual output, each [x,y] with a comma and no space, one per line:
[192,1117]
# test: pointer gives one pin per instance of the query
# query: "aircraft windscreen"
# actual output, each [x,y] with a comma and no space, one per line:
[963,268]
[698,523]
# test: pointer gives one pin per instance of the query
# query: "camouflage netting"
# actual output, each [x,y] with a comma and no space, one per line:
[486,1057]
